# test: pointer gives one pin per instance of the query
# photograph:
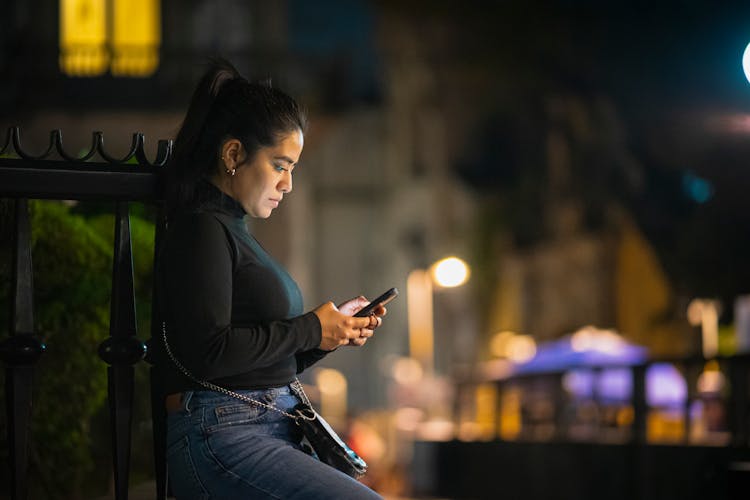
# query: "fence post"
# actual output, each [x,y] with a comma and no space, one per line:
[640,406]
[739,400]
[19,353]
[122,350]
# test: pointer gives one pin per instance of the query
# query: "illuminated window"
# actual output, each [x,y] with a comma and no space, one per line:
[136,37]
[83,37]
[122,36]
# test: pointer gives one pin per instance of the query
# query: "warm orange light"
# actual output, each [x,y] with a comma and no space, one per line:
[705,313]
[407,419]
[510,414]
[436,430]
[450,272]
[333,397]
[486,410]
[521,348]
[515,347]
[421,327]
[711,381]
[331,381]
[407,371]
[499,343]
[590,338]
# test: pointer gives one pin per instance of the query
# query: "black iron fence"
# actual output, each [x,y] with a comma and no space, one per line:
[96,175]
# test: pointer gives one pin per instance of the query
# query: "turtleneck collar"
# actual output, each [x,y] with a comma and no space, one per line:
[209,197]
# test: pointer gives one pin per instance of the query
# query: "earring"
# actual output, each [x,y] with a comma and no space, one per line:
[231,171]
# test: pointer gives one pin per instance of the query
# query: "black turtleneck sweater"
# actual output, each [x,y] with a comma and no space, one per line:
[233,315]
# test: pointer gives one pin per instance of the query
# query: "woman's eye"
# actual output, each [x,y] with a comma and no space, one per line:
[279,168]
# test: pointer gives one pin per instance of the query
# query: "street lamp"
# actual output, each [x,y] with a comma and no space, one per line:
[746,62]
[446,273]
[450,272]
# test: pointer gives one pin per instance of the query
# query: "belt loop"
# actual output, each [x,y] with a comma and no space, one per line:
[186,397]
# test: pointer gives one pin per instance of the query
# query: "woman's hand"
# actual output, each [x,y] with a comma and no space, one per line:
[351,307]
[339,328]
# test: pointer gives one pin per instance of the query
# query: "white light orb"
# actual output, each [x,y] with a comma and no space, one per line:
[746,62]
[450,272]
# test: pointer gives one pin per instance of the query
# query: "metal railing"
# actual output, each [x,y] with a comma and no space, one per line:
[549,387]
[531,445]
[68,177]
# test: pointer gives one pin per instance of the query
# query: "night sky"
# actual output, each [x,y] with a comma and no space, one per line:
[671,72]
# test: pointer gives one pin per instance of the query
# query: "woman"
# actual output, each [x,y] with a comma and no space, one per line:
[233,316]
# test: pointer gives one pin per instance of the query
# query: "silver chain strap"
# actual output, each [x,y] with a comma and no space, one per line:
[208,385]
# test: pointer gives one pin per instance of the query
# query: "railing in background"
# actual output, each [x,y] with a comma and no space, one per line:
[24,176]
[540,438]
[546,408]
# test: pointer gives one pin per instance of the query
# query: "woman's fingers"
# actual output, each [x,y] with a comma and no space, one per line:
[337,328]
[365,334]
[375,321]
[359,323]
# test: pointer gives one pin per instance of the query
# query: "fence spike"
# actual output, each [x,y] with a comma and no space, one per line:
[164,152]
[61,151]
[7,140]
[137,139]
[16,135]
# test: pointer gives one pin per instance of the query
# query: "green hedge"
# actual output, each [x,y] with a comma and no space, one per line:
[72,258]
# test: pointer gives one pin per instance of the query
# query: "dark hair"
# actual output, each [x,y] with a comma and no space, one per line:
[225,105]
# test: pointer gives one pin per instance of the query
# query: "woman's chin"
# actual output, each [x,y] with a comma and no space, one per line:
[261,214]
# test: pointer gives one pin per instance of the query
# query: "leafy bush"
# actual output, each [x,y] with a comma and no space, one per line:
[72,259]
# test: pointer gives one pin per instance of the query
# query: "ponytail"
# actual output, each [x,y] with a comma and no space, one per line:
[224,104]
[182,173]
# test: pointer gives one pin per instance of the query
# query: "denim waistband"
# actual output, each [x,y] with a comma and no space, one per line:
[207,396]
[201,398]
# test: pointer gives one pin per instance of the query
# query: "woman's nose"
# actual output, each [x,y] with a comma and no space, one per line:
[285,184]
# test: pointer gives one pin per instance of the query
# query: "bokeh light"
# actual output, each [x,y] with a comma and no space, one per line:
[450,272]
[331,381]
[746,62]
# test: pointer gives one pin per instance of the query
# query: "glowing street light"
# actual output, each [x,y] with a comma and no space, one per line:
[448,272]
[746,62]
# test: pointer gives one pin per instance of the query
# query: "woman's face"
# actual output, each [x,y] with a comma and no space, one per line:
[260,184]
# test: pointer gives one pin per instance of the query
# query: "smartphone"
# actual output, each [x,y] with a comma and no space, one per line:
[380,301]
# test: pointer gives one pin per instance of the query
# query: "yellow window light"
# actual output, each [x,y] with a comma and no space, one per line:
[122,36]
[83,37]
[136,37]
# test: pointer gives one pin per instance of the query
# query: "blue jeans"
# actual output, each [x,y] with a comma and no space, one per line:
[219,447]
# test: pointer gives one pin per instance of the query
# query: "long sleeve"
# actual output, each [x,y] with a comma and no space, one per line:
[308,358]
[221,321]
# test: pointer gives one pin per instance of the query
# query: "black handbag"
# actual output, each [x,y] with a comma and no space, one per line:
[328,446]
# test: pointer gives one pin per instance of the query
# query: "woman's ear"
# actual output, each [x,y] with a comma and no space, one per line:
[231,153]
